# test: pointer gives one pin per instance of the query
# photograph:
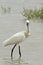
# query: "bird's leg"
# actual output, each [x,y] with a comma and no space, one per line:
[12,51]
[19,51]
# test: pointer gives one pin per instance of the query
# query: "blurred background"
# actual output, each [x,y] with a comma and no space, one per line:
[11,22]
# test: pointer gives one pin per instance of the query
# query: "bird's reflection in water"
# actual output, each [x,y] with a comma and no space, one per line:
[18,61]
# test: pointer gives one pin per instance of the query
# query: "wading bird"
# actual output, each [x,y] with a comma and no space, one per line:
[17,38]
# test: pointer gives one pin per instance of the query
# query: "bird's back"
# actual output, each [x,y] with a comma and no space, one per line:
[15,39]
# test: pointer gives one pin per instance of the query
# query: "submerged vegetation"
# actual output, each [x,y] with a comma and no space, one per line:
[33,14]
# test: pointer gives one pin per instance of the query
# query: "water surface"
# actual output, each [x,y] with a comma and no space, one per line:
[32,48]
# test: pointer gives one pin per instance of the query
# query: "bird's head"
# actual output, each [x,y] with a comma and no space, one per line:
[27,21]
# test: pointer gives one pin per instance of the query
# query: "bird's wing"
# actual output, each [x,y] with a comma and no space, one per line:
[16,38]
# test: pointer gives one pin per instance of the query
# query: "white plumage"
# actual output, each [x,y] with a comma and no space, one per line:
[17,38]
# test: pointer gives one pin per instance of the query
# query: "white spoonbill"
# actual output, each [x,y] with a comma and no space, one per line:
[17,38]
